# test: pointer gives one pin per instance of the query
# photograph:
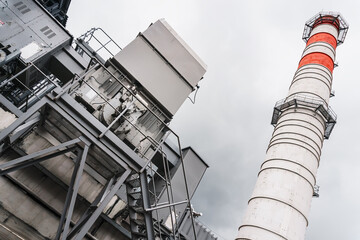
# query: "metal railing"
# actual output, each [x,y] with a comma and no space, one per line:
[48,82]
[36,93]
[149,165]
[31,92]
[343,25]
[318,105]
[154,143]
[306,100]
[100,42]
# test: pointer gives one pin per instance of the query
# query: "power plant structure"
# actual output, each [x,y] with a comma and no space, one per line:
[86,151]
[279,206]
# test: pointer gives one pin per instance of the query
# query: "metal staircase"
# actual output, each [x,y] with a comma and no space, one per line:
[141,223]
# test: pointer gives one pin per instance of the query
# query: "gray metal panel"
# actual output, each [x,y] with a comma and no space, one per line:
[202,232]
[48,30]
[75,55]
[154,74]
[195,168]
[164,38]
[26,10]
[10,27]
[24,23]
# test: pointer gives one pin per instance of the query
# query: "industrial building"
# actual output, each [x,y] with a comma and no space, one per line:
[280,204]
[86,151]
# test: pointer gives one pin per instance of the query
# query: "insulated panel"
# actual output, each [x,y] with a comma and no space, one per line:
[154,74]
[164,38]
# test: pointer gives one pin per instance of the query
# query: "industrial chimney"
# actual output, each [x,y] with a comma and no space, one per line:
[280,204]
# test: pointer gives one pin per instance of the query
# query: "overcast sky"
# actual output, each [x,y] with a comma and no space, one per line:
[252,49]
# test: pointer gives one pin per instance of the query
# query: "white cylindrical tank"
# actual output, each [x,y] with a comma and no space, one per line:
[279,206]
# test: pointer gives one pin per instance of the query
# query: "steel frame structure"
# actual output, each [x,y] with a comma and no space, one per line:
[96,60]
[342,25]
[92,134]
[90,216]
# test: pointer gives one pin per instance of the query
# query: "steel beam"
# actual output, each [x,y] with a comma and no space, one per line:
[30,162]
[90,128]
[27,124]
[102,205]
[117,226]
[88,120]
[72,193]
[11,107]
[24,127]
[46,172]
[25,116]
[166,205]
[90,210]
[27,160]
[69,194]
[77,177]
[111,149]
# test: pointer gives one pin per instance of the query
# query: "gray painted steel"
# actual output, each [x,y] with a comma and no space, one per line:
[102,205]
[26,23]
[195,168]
[163,64]
[169,44]
[68,164]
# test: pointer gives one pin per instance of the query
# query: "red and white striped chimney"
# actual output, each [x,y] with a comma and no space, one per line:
[279,206]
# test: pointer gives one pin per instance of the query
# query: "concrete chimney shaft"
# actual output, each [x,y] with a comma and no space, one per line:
[279,206]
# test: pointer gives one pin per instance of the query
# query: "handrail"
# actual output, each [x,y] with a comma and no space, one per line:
[90,34]
[166,126]
[34,90]
[309,100]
